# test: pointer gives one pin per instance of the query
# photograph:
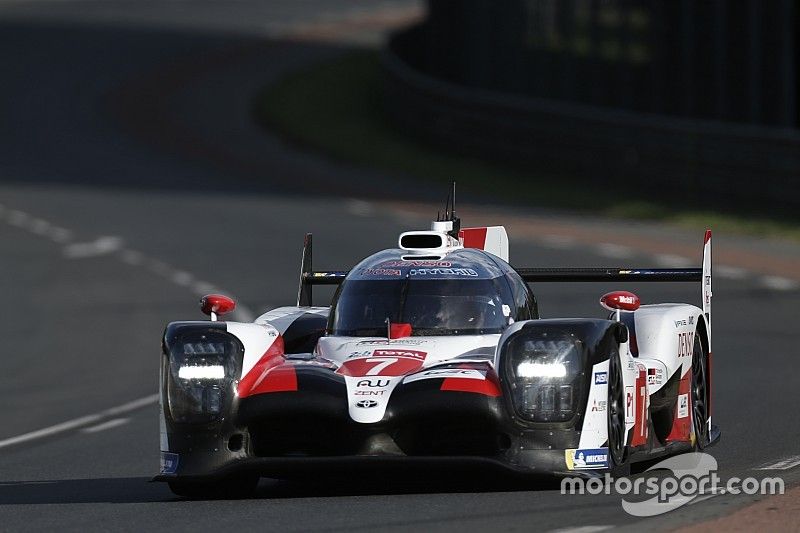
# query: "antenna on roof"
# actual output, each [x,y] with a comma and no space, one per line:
[450,213]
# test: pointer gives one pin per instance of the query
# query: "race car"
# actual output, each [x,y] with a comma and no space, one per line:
[433,354]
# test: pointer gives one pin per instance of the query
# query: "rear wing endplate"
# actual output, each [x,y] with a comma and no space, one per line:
[309,278]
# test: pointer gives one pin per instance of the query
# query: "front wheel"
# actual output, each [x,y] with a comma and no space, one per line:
[699,391]
[617,448]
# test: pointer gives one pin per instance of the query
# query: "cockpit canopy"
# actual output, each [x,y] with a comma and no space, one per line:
[467,292]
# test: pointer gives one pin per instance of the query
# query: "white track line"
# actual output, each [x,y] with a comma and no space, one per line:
[783,464]
[59,235]
[104,246]
[131,257]
[673,261]
[78,422]
[184,279]
[730,272]
[39,226]
[703,496]
[159,267]
[559,242]
[360,208]
[101,246]
[203,287]
[581,529]
[114,422]
[111,244]
[18,218]
[778,283]
[699,499]
[614,251]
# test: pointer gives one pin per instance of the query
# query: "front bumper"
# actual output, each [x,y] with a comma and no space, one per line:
[310,434]
[550,466]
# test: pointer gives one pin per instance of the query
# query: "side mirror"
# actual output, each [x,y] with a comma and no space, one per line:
[215,305]
[620,301]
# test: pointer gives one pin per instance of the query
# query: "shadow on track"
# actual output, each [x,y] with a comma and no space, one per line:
[141,490]
[277,489]
[107,490]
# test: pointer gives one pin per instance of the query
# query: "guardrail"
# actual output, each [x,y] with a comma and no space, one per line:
[724,164]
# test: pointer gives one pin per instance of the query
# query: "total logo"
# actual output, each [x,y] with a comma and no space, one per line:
[414,354]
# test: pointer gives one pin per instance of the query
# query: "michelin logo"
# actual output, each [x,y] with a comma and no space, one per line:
[169,462]
[586,459]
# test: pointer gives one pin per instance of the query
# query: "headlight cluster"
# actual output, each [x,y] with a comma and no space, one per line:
[201,368]
[544,372]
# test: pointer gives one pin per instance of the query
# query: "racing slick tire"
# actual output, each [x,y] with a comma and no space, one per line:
[618,463]
[233,488]
[699,392]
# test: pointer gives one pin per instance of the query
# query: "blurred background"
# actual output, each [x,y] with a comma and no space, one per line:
[687,98]
[153,151]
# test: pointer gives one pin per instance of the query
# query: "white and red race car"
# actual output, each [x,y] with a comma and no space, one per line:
[433,354]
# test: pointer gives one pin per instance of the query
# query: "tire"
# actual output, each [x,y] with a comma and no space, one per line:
[699,391]
[234,488]
[617,446]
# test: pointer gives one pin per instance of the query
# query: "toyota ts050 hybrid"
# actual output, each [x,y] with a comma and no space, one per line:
[433,353]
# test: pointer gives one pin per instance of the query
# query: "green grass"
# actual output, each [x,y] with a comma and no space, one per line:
[336,108]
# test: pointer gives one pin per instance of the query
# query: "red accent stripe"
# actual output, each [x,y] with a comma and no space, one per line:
[473,237]
[487,386]
[257,375]
[707,236]
[280,379]
[640,428]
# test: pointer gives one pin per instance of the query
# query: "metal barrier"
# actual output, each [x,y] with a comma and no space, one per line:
[754,167]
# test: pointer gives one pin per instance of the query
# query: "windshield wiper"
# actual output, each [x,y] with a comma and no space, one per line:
[403,294]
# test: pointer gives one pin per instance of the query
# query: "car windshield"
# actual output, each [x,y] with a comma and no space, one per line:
[431,307]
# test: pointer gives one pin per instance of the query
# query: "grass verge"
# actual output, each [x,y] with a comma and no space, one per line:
[336,108]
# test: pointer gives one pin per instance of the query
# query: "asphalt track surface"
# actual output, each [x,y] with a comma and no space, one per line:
[132,179]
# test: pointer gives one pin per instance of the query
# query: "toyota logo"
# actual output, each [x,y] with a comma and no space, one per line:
[366,403]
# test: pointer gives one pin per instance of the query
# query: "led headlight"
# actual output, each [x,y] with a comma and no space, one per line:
[544,373]
[202,366]
[201,372]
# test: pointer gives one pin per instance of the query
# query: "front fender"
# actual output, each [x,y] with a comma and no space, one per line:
[595,340]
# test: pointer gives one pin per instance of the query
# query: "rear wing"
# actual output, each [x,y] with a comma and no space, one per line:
[309,277]
[610,274]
